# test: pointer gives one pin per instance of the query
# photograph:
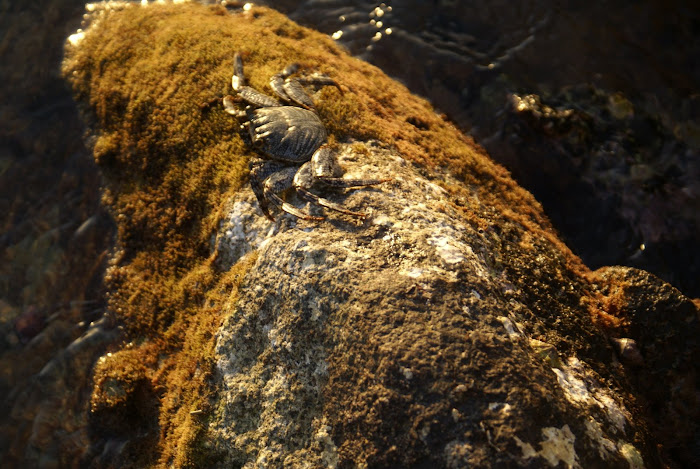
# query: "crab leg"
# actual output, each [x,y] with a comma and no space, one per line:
[277,81]
[319,79]
[304,179]
[325,168]
[256,98]
[290,89]
[238,78]
[296,93]
[230,107]
[258,173]
[342,182]
[248,94]
[278,182]
[284,206]
[327,203]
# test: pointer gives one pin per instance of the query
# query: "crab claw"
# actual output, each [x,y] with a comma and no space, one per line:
[229,105]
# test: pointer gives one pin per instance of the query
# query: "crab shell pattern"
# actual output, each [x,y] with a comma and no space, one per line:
[292,138]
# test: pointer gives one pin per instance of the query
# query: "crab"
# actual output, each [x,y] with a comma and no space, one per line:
[292,141]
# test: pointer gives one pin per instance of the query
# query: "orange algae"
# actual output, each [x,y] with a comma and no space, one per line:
[147,78]
[169,164]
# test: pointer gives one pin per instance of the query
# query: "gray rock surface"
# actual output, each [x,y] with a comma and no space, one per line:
[399,341]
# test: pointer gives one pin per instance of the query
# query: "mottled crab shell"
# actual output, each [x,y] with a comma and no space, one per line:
[287,133]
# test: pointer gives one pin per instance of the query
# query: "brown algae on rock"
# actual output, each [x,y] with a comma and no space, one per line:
[168,163]
[318,383]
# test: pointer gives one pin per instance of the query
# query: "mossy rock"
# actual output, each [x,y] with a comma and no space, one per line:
[150,80]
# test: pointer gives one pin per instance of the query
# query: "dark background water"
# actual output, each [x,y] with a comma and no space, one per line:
[54,238]
[609,146]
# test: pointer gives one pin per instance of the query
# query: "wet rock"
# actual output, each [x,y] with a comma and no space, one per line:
[664,327]
[123,409]
[49,411]
[29,323]
[627,161]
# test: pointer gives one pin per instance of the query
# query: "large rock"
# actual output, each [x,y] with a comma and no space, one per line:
[451,328]
[408,340]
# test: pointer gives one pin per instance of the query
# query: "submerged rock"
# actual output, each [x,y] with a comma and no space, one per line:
[53,244]
[449,328]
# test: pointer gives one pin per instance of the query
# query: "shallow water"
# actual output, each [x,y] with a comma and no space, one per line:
[622,182]
[53,238]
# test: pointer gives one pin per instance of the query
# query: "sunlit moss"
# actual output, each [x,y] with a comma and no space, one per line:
[149,80]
